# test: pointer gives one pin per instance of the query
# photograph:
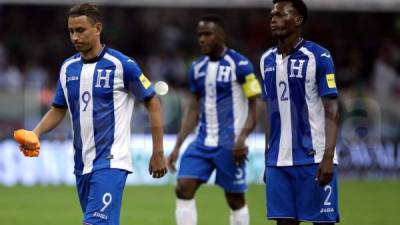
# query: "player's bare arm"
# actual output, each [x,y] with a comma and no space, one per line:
[50,120]
[157,166]
[240,150]
[189,122]
[325,170]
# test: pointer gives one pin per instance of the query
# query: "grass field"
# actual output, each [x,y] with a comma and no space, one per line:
[361,203]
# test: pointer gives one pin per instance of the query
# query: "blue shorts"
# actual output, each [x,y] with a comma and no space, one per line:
[100,195]
[293,193]
[198,162]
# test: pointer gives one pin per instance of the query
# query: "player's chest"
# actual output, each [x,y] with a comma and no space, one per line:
[91,81]
[217,77]
[287,73]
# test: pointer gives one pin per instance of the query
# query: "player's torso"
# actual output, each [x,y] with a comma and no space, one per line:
[292,94]
[223,106]
[100,110]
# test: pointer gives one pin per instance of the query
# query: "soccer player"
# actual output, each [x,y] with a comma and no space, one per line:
[97,87]
[223,104]
[300,90]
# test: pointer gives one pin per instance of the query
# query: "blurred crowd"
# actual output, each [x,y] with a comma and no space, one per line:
[34,41]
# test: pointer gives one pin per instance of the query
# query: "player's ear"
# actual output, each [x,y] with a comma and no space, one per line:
[299,20]
[99,28]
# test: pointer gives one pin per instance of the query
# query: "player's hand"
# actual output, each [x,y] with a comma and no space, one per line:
[157,166]
[172,158]
[29,142]
[240,151]
[325,171]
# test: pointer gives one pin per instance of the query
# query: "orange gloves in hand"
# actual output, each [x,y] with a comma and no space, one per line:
[29,142]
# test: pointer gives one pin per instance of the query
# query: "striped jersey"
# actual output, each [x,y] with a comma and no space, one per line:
[293,88]
[223,87]
[99,95]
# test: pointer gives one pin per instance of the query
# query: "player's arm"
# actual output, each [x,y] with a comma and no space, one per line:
[189,122]
[157,167]
[331,109]
[251,90]
[50,120]
[328,91]
[240,149]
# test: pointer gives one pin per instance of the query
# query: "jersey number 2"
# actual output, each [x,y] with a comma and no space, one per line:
[284,96]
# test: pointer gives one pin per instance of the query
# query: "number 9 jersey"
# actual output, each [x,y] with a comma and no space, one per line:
[293,88]
[99,94]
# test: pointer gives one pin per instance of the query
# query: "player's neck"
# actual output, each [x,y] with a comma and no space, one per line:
[215,56]
[94,52]
[286,45]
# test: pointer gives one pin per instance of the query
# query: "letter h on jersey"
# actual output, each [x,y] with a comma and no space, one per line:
[224,74]
[106,78]
[296,68]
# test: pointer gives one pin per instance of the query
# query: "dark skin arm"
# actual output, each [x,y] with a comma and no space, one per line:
[325,169]
[157,166]
[189,122]
[240,150]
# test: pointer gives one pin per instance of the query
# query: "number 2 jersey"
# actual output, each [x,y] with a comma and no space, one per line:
[293,88]
[223,87]
[99,95]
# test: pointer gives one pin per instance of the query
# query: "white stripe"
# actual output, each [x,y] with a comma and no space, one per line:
[63,80]
[285,157]
[240,102]
[316,112]
[123,108]
[262,61]
[86,117]
[198,66]
[210,105]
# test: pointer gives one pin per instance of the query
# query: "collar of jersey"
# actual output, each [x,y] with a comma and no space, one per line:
[97,58]
[295,48]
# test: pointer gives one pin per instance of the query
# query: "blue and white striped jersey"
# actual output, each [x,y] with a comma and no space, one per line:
[223,87]
[293,87]
[98,95]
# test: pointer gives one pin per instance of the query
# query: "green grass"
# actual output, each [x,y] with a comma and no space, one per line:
[361,203]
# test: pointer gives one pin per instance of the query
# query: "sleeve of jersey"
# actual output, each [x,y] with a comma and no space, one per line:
[59,100]
[245,75]
[192,80]
[136,82]
[264,94]
[326,76]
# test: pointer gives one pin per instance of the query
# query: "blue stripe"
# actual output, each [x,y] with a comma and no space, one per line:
[273,111]
[301,131]
[200,82]
[226,130]
[103,115]
[73,100]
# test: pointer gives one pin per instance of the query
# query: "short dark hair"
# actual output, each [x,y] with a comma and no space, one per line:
[299,5]
[213,18]
[86,9]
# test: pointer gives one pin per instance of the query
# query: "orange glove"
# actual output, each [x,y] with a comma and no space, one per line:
[29,142]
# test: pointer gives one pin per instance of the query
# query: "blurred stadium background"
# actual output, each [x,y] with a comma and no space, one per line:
[362,35]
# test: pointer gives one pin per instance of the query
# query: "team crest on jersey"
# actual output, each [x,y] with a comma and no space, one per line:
[103,78]
[224,74]
[296,68]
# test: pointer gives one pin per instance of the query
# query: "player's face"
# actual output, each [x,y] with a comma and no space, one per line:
[210,37]
[284,20]
[84,32]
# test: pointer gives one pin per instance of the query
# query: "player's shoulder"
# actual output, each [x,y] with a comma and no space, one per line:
[199,60]
[74,58]
[316,49]
[269,52]
[237,57]
[125,60]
